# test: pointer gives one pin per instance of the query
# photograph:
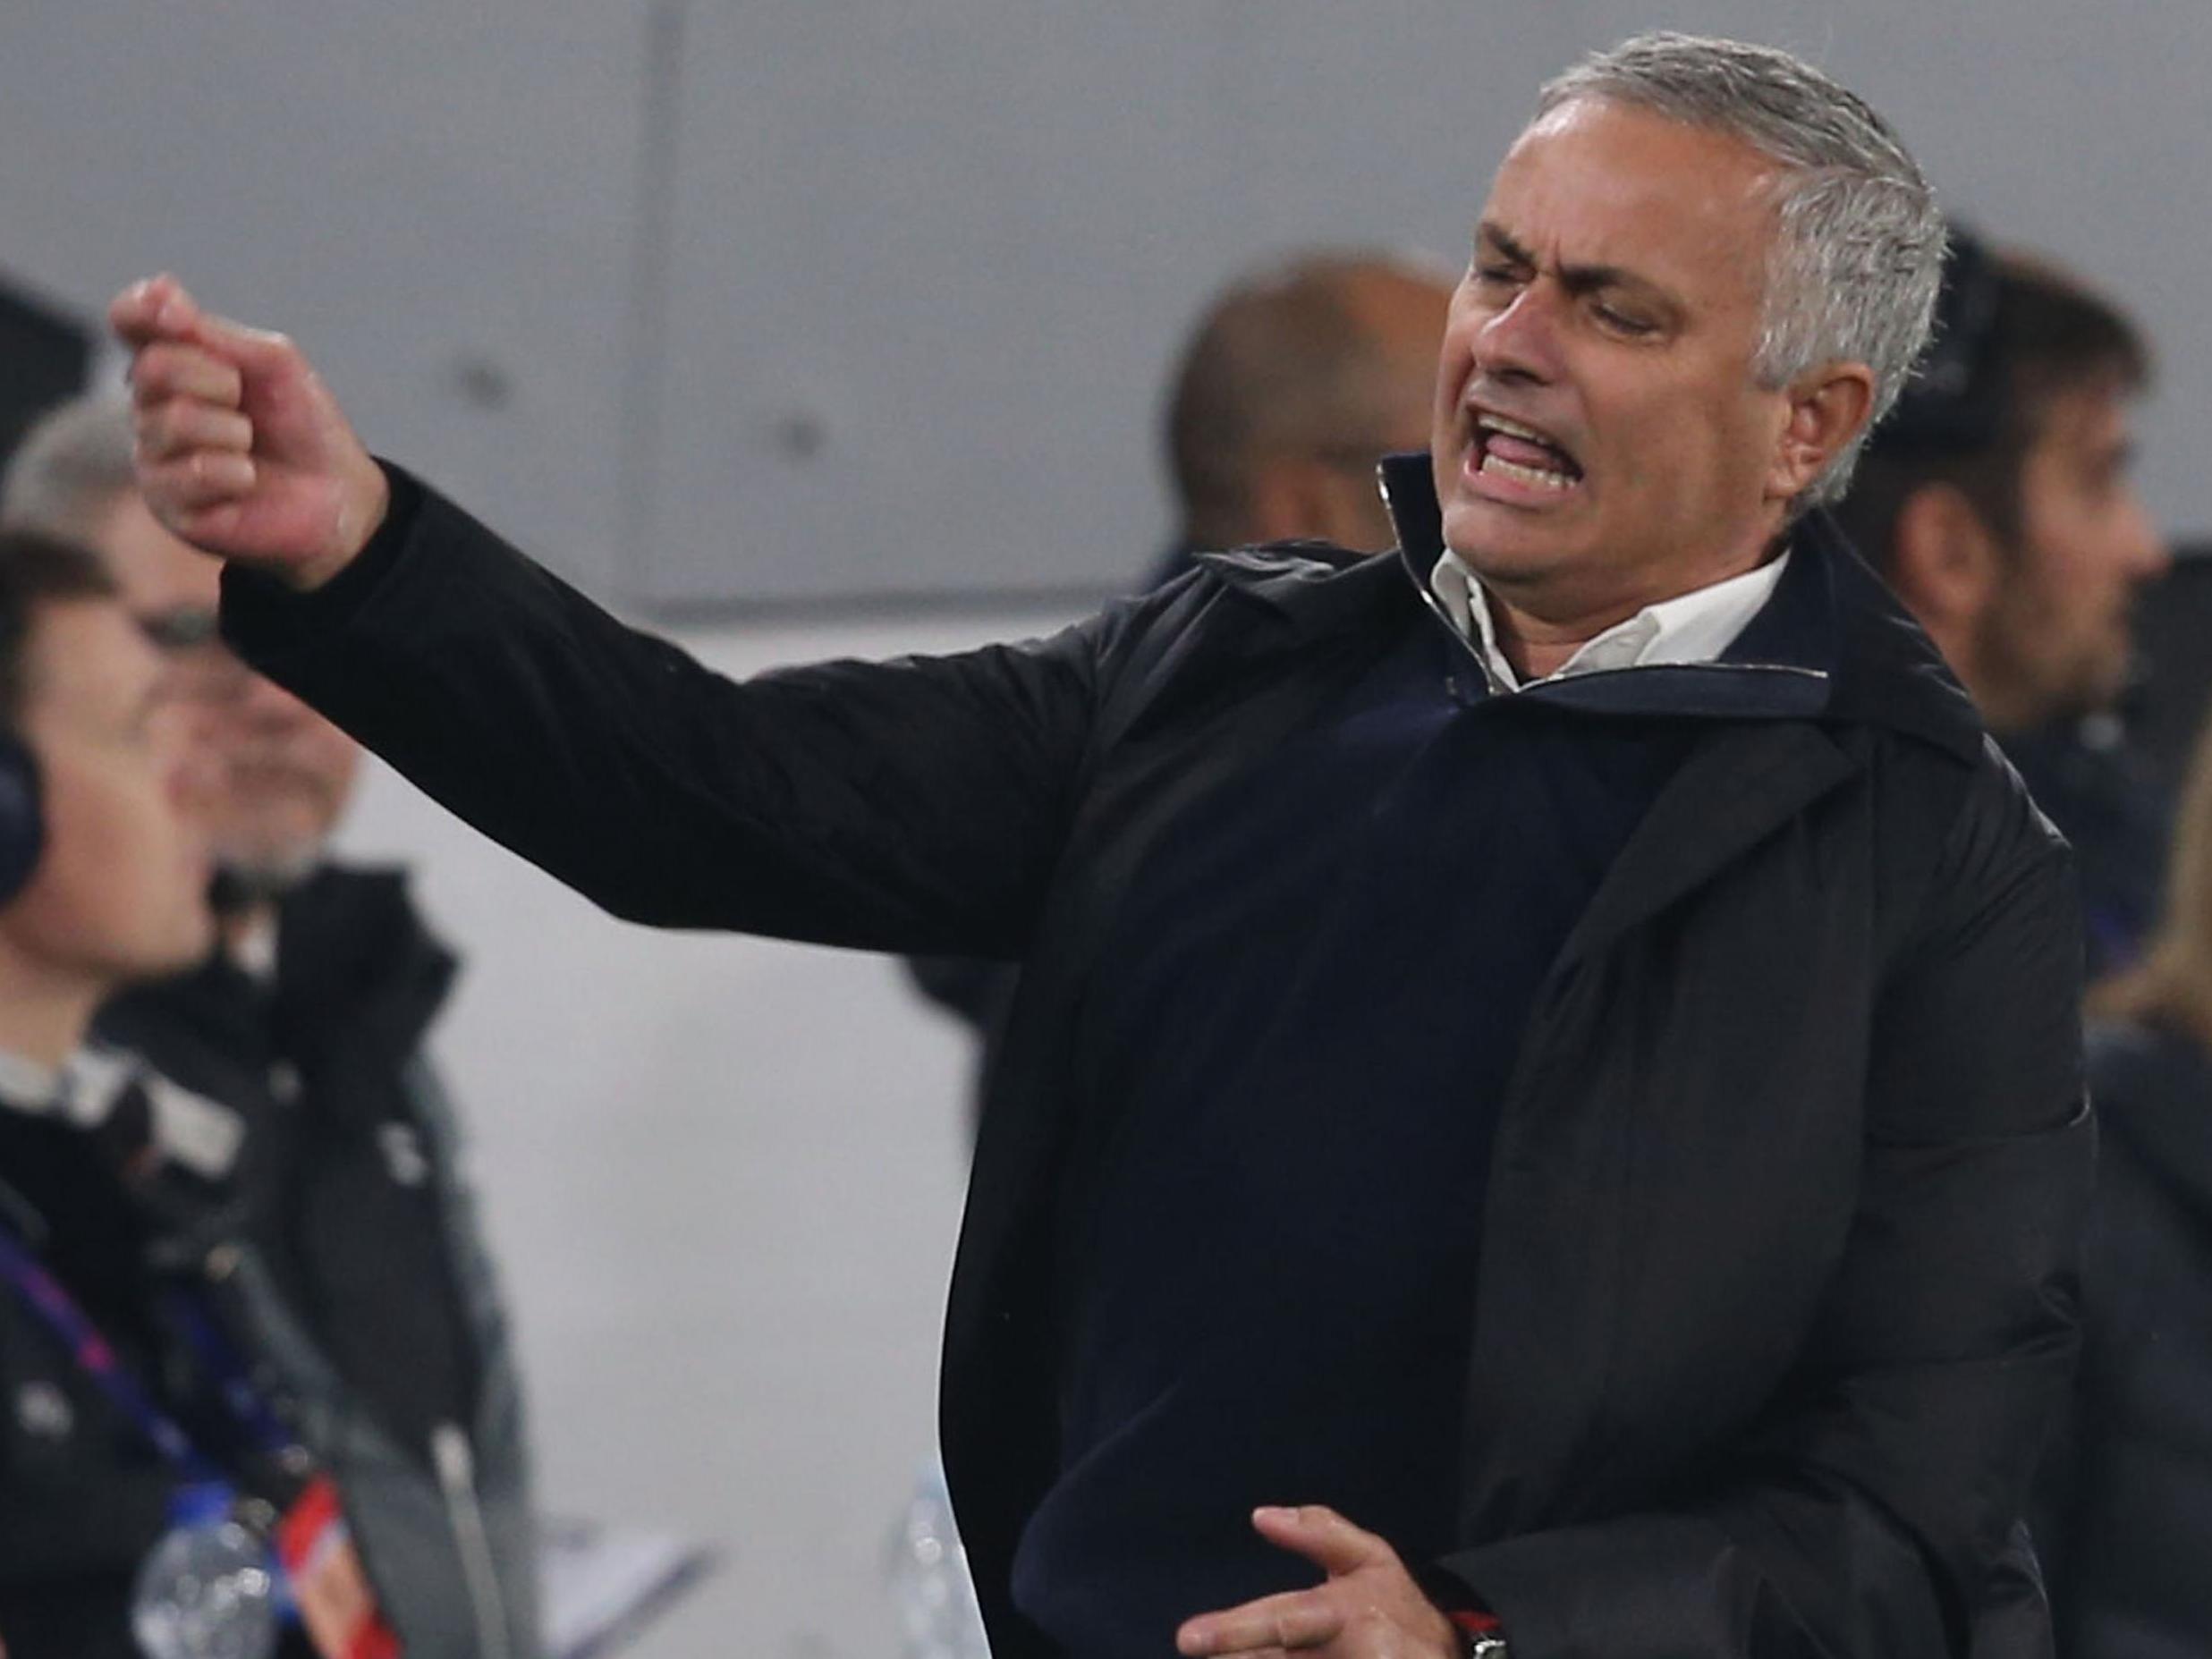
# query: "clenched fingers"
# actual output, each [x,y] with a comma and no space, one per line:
[158,311]
[175,430]
[200,479]
[169,370]
[153,310]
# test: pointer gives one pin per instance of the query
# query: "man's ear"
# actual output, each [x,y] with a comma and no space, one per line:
[1943,560]
[1829,407]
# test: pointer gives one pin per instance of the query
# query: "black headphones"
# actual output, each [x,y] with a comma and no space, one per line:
[22,824]
[1953,401]
[22,820]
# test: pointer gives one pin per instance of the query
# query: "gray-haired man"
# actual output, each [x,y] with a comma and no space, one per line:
[1558,1048]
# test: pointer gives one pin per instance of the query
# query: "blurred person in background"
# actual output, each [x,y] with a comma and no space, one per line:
[2126,1521]
[1999,501]
[309,1018]
[107,1188]
[1556,1053]
[1295,382]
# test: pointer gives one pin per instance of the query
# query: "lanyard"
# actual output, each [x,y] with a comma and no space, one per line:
[43,1294]
[219,1358]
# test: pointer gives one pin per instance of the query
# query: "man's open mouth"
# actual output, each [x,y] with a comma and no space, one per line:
[1506,449]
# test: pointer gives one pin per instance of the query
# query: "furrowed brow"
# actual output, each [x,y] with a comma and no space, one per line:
[1576,279]
[1581,279]
[1500,242]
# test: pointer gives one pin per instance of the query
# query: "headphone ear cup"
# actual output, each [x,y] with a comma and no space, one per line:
[22,822]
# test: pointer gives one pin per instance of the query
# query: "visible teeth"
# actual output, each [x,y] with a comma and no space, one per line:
[1526,475]
[1514,428]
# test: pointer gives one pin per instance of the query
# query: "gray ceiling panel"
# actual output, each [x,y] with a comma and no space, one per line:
[928,262]
[437,201]
[719,304]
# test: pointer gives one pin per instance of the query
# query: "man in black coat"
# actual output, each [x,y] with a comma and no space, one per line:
[1554,1053]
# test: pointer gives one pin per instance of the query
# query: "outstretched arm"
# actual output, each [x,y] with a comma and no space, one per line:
[913,806]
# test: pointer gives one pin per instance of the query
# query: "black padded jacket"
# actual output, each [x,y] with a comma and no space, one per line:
[1776,1291]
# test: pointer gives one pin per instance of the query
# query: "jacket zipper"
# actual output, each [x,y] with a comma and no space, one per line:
[456,1479]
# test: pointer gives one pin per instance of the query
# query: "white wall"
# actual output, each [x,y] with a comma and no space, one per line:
[724,1176]
[882,291]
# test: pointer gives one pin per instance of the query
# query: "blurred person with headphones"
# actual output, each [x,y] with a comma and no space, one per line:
[1999,501]
[135,1402]
[308,1015]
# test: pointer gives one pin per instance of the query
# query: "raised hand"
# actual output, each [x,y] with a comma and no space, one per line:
[1369,1607]
[241,450]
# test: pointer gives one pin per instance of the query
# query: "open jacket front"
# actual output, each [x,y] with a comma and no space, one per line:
[1775,1288]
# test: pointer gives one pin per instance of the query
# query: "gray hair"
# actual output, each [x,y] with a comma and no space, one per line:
[73,465]
[1857,250]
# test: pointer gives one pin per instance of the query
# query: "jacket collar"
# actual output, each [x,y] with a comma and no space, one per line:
[1833,643]
[355,966]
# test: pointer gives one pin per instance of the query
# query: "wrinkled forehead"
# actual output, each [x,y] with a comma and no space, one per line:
[1648,123]
[1599,181]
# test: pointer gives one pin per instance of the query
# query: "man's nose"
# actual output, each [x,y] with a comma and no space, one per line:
[2158,557]
[1521,342]
[264,704]
[2147,555]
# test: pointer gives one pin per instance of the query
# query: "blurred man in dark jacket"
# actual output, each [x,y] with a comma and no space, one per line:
[310,1021]
[1999,500]
[1556,1053]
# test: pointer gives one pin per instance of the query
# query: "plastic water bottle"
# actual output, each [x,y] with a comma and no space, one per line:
[930,1584]
[207,1590]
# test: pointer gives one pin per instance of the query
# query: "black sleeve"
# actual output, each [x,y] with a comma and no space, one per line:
[918,805]
[969,988]
[1876,1510]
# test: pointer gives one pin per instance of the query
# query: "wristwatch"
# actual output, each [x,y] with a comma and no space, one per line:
[1480,1635]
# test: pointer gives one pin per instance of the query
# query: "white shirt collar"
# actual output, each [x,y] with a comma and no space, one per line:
[203,1135]
[1694,627]
[253,953]
[27,1085]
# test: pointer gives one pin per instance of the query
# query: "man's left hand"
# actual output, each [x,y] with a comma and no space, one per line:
[1370,1608]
